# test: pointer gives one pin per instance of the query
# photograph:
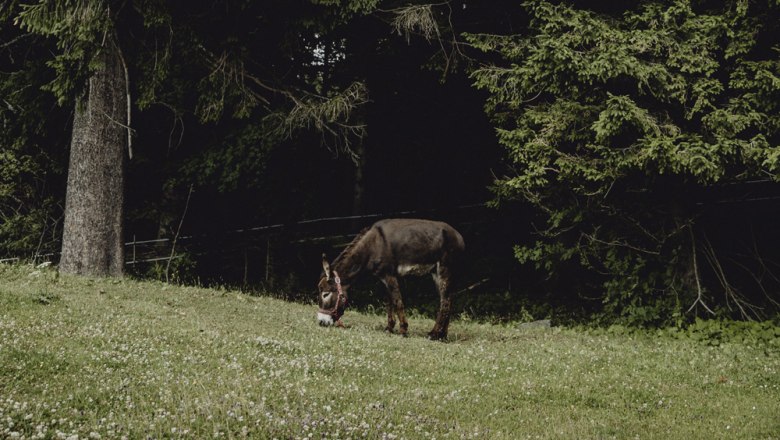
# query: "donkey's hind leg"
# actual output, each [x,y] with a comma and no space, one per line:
[443,279]
[395,303]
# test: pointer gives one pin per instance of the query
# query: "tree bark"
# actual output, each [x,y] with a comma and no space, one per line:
[92,242]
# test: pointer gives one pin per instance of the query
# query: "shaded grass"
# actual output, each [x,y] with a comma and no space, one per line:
[107,358]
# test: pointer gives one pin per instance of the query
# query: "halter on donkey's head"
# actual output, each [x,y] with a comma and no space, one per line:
[333,314]
[334,311]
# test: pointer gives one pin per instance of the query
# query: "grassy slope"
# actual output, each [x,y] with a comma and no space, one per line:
[112,358]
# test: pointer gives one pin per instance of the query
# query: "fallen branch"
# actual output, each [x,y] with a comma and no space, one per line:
[473,286]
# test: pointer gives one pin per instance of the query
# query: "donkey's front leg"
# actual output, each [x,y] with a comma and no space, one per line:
[395,302]
[390,307]
[390,310]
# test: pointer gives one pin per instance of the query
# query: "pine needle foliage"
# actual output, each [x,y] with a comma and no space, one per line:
[614,122]
[332,116]
[30,159]
[78,28]
[415,19]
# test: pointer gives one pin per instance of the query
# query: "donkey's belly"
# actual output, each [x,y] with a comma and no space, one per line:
[414,269]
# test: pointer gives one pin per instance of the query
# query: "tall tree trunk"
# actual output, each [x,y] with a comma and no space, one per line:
[360,184]
[92,242]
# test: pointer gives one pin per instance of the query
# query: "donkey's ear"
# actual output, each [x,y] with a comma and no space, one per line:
[326,266]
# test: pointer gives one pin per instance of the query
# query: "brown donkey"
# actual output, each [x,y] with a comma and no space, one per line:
[390,249]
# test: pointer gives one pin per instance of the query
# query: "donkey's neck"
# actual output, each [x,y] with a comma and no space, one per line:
[352,260]
[349,266]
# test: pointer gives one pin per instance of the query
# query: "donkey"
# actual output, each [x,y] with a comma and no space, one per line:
[390,249]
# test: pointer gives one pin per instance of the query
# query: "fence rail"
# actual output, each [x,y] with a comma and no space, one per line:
[154,254]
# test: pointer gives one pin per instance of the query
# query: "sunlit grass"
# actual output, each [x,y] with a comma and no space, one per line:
[83,358]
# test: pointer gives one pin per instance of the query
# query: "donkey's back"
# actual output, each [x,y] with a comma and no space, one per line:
[415,245]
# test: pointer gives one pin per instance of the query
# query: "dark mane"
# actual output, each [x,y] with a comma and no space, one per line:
[349,247]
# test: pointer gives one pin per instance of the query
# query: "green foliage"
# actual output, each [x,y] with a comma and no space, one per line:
[243,78]
[181,270]
[237,163]
[31,167]
[765,334]
[350,6]
[605,116]
[45,297]
[228,79]
[29,213]
[155,68]
[78,28]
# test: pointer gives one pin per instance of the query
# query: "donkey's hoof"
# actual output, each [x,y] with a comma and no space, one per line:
[437,336]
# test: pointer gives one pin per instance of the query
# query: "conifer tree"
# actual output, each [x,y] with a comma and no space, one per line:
[210,63]
[616,122]
[90,68]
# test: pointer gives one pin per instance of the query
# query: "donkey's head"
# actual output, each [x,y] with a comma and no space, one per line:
[331,295]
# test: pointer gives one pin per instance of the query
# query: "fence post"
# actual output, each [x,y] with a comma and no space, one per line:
[246,266]
[267,260]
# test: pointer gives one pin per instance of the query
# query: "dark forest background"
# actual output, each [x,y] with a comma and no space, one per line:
[604,161]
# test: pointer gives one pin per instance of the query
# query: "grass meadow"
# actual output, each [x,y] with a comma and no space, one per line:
[111,359]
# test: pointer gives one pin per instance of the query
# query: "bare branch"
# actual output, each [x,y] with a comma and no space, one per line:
[620,244]
[700,293]
[732,294]
[758,279]
[15,40]
[128,102]
[175,237]
[329,115]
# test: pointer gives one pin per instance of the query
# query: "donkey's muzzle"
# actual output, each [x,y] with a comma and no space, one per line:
[325,320]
